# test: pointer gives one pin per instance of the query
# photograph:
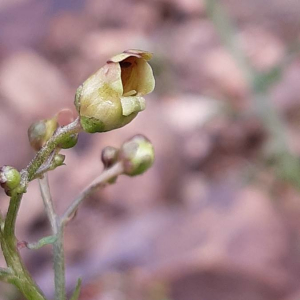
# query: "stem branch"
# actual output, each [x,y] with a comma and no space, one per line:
[101,180]
[58,249]
[48,203]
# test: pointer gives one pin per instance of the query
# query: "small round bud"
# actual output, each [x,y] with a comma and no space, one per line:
[109,156]
[69,142]
[57,161]
[40,132]
[137,155]
[10,178]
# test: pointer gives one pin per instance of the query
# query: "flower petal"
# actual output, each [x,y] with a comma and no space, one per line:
[143,54]
[132,104]
[146,82]
[101,95]
[131,52]
[137,76]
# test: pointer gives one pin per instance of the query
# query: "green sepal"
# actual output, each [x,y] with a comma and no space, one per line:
[69,141]
[92,125]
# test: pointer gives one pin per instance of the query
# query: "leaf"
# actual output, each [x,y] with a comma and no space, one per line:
[76,292]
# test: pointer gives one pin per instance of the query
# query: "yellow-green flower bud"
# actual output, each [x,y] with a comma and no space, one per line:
[137,155]
[113,96]
[40,132]
[109,156]
[58,160]
[10,178]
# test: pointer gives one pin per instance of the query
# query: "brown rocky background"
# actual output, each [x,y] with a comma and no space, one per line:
[218,215]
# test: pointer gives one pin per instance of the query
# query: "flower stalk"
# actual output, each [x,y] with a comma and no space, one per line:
[120,84]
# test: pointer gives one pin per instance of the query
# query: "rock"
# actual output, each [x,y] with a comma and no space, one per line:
[33,87]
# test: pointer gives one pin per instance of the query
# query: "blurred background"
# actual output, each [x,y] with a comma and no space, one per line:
[218,215]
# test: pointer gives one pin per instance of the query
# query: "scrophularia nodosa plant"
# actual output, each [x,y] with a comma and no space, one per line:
[107,100]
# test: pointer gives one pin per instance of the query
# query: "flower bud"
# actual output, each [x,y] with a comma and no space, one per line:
[113,96]
[69,142]
[10,178]
[58,160]
[40,132]
[137,155]
[109,156]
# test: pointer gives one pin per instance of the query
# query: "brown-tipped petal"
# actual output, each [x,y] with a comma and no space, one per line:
[144,54]
[120,57]
[131,52]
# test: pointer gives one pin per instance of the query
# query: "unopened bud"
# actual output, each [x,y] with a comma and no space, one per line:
[109,156]
[69,142]
[10,178]
[58,160]
[137,155]
[40,132]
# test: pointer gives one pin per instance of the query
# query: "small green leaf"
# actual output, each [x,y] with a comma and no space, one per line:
[76,292]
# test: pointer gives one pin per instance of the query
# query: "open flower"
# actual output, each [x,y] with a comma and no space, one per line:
[113,96]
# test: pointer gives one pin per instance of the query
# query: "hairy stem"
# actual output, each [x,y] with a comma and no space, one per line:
[59,264]
[101,180]
[6,274]
[58,249]
[21,277]
[10,221]
[48,203]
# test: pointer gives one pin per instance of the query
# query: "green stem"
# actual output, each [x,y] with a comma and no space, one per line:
[101,180]
[58,249]
[21,279]
[10,221]
[59,264]
[6,274]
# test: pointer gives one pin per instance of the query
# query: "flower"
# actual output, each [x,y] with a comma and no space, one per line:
[113,96]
